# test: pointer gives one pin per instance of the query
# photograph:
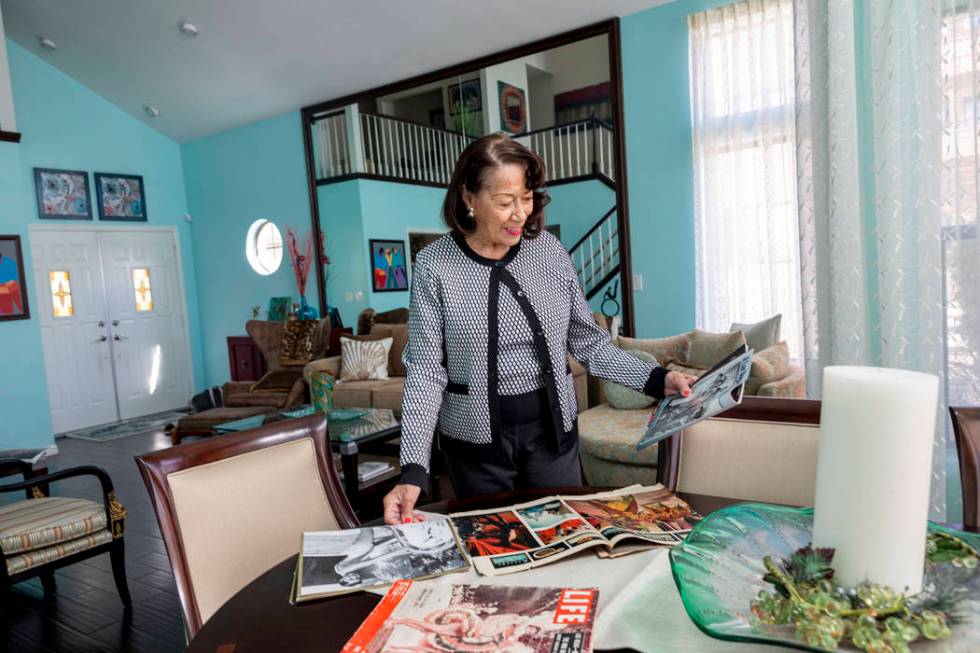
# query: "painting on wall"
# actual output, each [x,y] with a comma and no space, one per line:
[388,270]
[62,194]
[419,239]
[465,95]
[279,309]
[583,103]
[121,197]
[513,108]
[13,290]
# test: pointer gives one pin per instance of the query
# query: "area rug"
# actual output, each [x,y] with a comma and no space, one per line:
[125,428]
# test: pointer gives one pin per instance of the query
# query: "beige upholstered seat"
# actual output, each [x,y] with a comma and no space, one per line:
[752,460]
[232,507]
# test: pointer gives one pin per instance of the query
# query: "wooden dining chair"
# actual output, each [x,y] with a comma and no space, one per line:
[233,506]
[966,430]
[764,449]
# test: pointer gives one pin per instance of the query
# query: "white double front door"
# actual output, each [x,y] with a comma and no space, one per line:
[113,323]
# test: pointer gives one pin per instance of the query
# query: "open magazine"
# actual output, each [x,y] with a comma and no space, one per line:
[336,562]
[714,392]
[505,540]
[487,618]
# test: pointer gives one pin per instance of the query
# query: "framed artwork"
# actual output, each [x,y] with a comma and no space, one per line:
[586,102]
[279,309]
[388,270]
[121,197]
[419,239]
[13,288]
[62,194]
[513,108]
[465,94]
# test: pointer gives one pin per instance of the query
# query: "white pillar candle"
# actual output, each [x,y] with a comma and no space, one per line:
[873,473]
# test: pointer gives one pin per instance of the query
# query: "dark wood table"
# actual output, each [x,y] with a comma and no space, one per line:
[260,617]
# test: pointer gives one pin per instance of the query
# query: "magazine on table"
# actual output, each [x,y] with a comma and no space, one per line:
[714,392]
[505,540]
[337,562]
[426,617]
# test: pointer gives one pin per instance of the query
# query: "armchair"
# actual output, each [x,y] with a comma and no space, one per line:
[40,533]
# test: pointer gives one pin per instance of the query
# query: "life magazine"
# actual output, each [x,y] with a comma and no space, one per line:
[527,535]
[336,562]
[485,618]
[716,391]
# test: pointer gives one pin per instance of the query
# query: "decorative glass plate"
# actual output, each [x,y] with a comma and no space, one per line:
[342,414]
[300,412]
[718,571]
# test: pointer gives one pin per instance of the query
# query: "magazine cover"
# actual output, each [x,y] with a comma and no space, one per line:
[335,562]
[414,618]
[716,391]
[528,535]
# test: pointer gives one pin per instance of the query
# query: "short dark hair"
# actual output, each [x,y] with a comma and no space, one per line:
[481,156]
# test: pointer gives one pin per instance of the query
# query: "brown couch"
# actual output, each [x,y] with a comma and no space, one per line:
[387,393]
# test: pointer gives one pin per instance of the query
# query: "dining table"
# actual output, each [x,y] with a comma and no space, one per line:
[260,617]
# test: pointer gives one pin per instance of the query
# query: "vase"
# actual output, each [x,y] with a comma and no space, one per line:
[306,312]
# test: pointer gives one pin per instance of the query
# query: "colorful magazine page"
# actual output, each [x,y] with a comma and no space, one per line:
[336,562]
[484,618]
[717,390]
[506,540]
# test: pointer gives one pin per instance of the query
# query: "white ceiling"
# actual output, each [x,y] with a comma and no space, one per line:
[255,59]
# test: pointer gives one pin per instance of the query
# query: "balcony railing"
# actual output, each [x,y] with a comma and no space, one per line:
[596,254]
[349,142]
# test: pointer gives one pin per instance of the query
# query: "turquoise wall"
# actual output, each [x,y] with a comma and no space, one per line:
[232,179]
[577,207]
[66,125]
[659,163]
[343,236]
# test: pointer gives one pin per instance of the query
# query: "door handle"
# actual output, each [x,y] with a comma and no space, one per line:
[115,323]
[102,339]
[118,337]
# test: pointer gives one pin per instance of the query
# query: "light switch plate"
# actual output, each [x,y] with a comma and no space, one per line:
[637,282]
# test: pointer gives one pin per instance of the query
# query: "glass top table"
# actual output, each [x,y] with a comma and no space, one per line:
[349,429]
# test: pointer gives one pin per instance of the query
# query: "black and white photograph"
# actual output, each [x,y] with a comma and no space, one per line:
[334,562]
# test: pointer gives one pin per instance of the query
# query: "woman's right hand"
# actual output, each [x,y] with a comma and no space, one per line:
[399,503]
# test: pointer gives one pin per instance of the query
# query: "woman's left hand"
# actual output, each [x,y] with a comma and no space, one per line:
[678,383]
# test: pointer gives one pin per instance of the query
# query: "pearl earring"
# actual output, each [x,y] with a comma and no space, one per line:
[469,211]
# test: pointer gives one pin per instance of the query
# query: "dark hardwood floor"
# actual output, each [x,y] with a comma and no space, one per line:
[85,613]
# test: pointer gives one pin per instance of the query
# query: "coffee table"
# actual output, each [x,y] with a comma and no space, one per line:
[347,437]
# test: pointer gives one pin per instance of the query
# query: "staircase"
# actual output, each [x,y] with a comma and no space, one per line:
[596,254]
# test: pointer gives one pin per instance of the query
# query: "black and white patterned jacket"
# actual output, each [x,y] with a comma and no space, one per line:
[462,306]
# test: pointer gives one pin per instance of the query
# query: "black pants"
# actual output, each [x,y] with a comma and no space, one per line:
[526,455]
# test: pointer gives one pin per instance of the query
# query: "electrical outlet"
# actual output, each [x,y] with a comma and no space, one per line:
[359,296]
[637,282]
[349,296]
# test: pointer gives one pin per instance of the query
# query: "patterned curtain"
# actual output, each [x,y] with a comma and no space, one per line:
[742,99]
[887,172]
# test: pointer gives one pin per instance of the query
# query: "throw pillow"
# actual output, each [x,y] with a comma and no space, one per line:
[673,348]
[771,364]
[708,348]
[624,398]
[278,381]
[296,346]
[364,360]
[321,391]
[399,335]
[761,335]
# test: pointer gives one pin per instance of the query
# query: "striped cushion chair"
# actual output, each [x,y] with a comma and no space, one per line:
[41,533]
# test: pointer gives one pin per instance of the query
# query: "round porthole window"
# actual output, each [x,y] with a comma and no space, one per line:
[263,246]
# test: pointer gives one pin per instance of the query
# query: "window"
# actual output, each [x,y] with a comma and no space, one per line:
[263,247]
[142,289]
[61,293]
[744,136]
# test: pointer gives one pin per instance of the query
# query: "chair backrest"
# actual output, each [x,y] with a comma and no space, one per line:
[966,429]
[369,317]
[267,336]
[765,449]
[231,507]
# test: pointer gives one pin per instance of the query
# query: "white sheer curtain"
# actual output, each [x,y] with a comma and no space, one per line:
[742,109]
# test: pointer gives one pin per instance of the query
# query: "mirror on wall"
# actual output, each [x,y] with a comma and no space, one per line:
[382,162]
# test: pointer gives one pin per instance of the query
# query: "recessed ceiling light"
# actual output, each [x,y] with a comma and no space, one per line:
[47,44]
[188,28]
[152,112]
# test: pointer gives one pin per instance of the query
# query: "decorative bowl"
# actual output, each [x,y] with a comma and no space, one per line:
[718,571]
[344,414]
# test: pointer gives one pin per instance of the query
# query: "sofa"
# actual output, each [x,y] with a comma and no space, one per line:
[387,393]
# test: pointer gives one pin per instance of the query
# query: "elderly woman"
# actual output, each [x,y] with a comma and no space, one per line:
[496,307]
